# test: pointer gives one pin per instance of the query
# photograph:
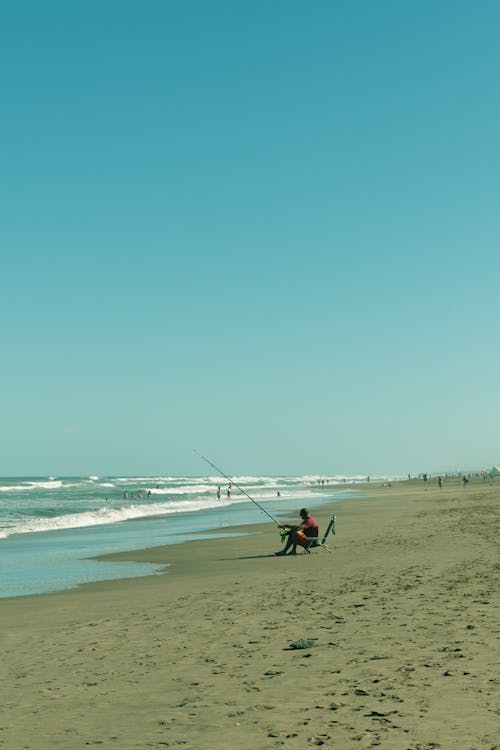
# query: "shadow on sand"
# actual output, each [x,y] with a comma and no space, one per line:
[248,557]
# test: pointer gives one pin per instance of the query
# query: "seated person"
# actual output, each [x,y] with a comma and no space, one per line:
[305,534]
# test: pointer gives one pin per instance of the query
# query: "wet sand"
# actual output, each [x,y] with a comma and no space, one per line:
[402,615]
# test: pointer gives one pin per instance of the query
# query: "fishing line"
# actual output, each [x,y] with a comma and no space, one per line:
[238,487]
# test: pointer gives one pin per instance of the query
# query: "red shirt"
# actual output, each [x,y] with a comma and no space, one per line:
[310,527]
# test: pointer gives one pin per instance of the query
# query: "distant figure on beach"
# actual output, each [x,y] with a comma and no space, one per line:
[218,493]
[125,495]
[229,491]
[149,494]
[278,494]
[304,535]
[440,481]
[465,481]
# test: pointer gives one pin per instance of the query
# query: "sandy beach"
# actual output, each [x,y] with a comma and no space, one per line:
[402,613]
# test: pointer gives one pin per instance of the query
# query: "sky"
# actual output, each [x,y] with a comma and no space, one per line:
[267,231]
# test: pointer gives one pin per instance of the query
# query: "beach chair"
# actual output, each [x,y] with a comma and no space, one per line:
[314,543]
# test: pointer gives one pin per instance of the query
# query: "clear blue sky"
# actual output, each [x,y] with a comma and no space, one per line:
[268,230]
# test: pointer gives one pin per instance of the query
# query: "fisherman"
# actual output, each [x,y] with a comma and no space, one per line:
[304,535]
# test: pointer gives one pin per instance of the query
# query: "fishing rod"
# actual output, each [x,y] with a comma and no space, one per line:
[240,488]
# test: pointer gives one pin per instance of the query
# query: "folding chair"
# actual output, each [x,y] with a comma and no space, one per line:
[316,543]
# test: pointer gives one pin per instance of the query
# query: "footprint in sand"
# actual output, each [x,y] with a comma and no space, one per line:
[319,739]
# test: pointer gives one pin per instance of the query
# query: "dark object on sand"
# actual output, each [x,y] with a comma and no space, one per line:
[303,643]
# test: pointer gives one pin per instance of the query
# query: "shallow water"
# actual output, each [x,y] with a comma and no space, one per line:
[53,528]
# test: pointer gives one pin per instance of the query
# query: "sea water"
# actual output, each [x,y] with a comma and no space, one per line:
[52,527]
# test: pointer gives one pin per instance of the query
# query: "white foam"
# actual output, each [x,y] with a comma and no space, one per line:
[169,495]
[109,515]
[49,485]
[189,489]
[105,515]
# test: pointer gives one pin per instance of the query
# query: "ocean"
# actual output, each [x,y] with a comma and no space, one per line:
[52,527]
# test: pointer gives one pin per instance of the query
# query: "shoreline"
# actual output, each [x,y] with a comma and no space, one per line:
[182,557]
[62,558]
[402,613]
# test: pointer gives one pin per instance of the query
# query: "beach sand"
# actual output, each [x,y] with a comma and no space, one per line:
[403,613]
